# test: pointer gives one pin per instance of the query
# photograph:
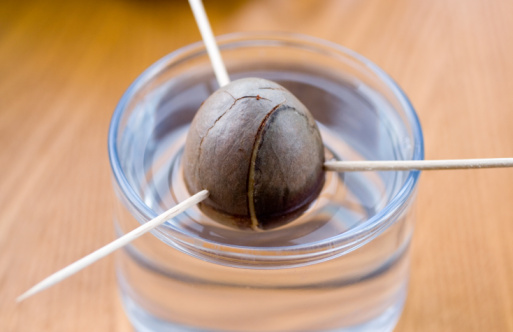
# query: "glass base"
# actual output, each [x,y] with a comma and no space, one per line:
[143,321]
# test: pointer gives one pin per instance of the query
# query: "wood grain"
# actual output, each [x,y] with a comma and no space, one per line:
[65,64]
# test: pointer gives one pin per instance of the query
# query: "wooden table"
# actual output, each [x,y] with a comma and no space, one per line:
[65,64]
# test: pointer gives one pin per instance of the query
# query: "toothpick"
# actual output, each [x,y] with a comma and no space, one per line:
[208,38]
[114,245]
[404,165]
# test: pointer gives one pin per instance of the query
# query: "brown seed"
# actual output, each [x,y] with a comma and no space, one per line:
[258,151]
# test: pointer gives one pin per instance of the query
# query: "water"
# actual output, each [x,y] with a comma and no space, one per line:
[212,282]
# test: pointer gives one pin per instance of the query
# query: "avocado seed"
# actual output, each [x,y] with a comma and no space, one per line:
[257,149]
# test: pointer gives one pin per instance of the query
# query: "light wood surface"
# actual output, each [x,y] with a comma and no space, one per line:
[65,64]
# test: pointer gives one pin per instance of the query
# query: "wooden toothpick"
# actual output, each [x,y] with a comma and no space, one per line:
[208,38]
[114,245]
[405,165]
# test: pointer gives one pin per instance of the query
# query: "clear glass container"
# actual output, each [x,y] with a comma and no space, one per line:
[342,266]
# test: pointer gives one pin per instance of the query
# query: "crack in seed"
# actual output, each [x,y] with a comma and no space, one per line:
[257,97]
[229,94]
[251,173]
[271,88]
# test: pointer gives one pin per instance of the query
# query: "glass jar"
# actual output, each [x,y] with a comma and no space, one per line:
[342,266]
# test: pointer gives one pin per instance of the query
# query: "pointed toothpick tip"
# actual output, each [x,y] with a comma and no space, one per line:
[112,246]
[25,295]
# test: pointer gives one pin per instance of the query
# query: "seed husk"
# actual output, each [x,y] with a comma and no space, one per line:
[258,151]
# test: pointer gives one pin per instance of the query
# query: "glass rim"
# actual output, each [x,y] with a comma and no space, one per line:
[361,233]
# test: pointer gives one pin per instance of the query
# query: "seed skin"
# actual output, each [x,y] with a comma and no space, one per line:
[258,151]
